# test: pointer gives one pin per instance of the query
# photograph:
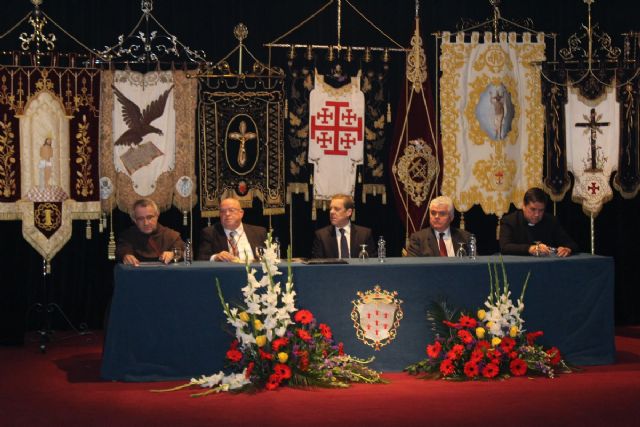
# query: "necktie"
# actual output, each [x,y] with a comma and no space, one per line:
[443,248]
[344,247]
[233,243]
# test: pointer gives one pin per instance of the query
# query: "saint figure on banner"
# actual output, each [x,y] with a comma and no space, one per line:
[45,164]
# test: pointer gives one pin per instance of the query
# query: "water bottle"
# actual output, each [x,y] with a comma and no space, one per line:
[473,247]
[382,249]
[188,253]
[276,243]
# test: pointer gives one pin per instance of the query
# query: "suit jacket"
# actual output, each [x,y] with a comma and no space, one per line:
[516,235]
[325,244]
[214,240]
[134,242]
[424,242]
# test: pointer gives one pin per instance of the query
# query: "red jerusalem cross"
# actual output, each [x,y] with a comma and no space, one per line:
[593,187]
[334,134]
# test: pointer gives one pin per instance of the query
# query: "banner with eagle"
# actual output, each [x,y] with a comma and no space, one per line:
[49,119]
[148,135]
[492,119]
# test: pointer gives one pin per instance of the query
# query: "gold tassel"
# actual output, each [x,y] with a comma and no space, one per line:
[87,230]
[286,109]
[388,112]
[111,247]
[311,179]
[462,221]
[209,221]
[185,218]
[359,178]
[498,228]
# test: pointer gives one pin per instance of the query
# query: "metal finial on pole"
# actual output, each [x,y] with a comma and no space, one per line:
[417,8]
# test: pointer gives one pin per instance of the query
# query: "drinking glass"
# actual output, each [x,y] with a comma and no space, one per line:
[177,254]
[363,255]
[461,252]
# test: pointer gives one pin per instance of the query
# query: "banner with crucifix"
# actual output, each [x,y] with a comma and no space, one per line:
[241,141]
[49,119]
[336,136]
[492,119]
[147,134]
[592,147]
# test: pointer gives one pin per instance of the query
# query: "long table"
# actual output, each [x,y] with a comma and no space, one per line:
[166,322]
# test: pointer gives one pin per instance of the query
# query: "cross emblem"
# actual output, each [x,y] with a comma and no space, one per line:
[593,188]
[242,136]
[339,130]
[593,124]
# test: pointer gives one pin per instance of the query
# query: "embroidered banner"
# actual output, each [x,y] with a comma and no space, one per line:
[492,119]
[592,147]
[241,142]
[336,136]
[627,179]
[416,154]
[49,121]
[148,134]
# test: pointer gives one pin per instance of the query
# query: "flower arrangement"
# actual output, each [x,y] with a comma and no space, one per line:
[493,344]
[277,344]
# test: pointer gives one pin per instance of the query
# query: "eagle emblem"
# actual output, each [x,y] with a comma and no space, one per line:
[139,123]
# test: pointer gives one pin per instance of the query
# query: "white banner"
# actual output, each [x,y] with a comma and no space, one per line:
[492,119]
[336,136]
[593,134]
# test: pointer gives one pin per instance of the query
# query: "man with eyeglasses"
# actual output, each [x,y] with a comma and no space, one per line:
[147,240]
[531,231]
[439,239]
[230,240]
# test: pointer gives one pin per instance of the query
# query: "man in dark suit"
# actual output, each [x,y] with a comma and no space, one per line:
[531,231]
[341,239]
[230,240]
[440,239]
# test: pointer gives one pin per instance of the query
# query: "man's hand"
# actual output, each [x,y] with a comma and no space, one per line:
[130,260]
[563,252]
[166,257]
[539,249]
[226,256]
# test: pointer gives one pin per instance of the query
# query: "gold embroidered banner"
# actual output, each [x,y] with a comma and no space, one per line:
[492,119]
[49,151]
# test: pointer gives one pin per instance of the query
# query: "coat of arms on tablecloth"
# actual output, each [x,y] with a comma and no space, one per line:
[376,316]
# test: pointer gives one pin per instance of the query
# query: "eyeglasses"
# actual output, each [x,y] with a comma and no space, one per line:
[231,211]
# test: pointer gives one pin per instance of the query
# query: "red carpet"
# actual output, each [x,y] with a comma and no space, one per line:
[63,388]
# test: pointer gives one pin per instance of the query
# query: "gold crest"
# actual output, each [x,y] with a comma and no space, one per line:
[376,316]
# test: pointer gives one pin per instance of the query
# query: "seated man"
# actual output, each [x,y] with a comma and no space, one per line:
[230,239]
[147,240]
[532,231]
[440,239]
[341,239]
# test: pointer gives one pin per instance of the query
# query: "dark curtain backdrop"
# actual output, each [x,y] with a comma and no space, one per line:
[81,280]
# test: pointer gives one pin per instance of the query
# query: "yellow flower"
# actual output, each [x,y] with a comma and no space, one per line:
[489,325]
[495,341]
[261,340]
[480,333]
[257,324]
[244,316]
[481,314]
[513,331]
[283,357]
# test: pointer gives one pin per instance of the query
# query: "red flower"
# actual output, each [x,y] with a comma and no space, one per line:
[468,322]
[465,336]
[494,355]
[303,359]
[234,355]
[434,349]
[273,382]
[278,343]
[247,373]
[455,352]
[325,330]
[234,345]
[532,336]
[340,349]
[451,325]
[507,344]
[477,355]
[518,367]
[303,316]
[282,370]
[483,345]
[554,355]
[490,370]
[471,369]
[446,367]
[304,335]
[513,355]
[264,355]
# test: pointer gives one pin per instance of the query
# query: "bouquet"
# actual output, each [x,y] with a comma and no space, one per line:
[278,344]
[491,344]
